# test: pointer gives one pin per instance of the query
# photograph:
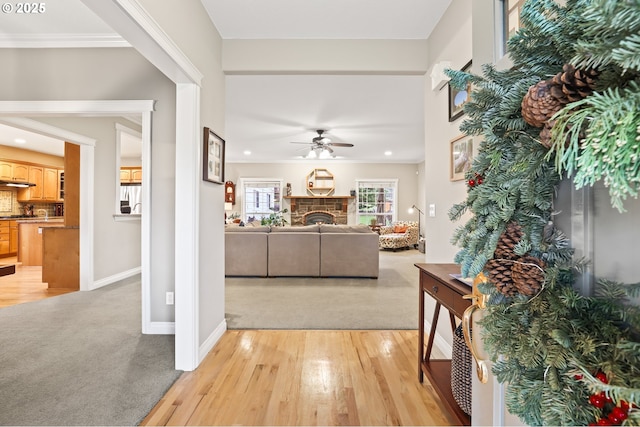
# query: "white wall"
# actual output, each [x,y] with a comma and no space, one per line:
[188,25]
[450,41]
[113,73]
[116,244]
[345,175]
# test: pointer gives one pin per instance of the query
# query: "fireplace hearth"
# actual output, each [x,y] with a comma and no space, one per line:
[318,217]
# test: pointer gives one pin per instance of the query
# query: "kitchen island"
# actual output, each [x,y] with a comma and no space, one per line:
[30,238]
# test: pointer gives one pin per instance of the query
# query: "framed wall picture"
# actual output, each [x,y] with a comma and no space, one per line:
[461,155]
[457,98]
[213,157]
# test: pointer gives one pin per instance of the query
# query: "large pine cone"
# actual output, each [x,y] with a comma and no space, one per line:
[508,240]
[499,273]
[527,275]
[572,84]
[538,105]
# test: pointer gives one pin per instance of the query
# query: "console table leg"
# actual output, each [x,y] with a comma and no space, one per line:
[452,318]
[432,333]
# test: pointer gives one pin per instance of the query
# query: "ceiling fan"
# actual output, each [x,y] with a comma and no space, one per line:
[321,145]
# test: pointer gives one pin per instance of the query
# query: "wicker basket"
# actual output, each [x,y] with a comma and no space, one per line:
[461,371]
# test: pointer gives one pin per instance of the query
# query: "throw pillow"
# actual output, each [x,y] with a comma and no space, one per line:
[400,228]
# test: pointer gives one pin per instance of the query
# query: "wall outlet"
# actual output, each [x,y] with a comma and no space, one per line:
[169,298]
[432,210]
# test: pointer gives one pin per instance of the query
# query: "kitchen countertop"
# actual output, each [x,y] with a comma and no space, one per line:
[36,219]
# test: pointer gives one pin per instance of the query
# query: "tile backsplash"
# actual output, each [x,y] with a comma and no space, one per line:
[9,205]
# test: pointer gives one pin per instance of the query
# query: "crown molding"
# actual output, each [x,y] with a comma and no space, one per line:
[35,41]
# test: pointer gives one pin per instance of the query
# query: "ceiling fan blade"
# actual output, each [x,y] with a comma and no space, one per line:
[296,142]
[340,144]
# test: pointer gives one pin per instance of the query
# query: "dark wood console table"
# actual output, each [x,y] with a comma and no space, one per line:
[435,280]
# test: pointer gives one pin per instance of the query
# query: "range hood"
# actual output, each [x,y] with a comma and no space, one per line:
[4,183]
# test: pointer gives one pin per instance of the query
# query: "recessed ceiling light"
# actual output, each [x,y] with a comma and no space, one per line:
[388,153]
[247,152]
[19,141]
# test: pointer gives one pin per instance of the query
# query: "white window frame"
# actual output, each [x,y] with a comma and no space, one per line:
[244,182]
[393,184]
[120,129]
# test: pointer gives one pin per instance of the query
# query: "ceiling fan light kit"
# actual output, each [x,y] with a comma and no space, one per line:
[321,146]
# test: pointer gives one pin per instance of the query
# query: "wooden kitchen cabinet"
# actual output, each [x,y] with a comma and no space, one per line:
[130,175]
[5,237]
[10,171]
[30,240]
[60,185]
[50,184]
[47,182]
[36,176]
[13,237]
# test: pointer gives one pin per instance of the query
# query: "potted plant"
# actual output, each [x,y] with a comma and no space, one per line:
[275,219]
[235,217]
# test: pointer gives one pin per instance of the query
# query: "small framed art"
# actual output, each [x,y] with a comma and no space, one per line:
[457,98]
[460,157]
[213,157]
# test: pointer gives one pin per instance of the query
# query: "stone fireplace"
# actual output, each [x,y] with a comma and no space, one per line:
[312,209]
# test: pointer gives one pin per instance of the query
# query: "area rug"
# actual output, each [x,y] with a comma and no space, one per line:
[388,302]
[80,359]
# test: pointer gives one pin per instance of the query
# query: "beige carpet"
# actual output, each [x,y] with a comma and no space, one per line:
[389,302]
[80,359]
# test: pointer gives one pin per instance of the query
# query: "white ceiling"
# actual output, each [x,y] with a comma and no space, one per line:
[18,138]
[265,113]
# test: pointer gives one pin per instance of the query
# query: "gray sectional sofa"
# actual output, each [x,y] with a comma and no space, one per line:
[306,251]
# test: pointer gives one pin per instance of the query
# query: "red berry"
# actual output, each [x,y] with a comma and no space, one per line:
[480,180]
[624,405]
[615,420]
[606,397]
[577,377]
[619,413]
[596,400]
[472,183]
[602,377]
[603,422]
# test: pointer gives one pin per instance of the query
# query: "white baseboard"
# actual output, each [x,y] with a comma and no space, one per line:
[160,328]
[438,341]
[212,340]
[115,278]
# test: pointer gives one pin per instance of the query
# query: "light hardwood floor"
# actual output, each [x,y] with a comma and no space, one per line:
[24,285]
[267,377]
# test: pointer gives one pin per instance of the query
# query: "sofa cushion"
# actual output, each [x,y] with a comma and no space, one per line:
[246,254]
[294,254]
[342,228]
[349,254]
[313,228]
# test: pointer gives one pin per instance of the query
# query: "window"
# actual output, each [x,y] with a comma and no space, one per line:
[510,19]
[261,198]
[376,201]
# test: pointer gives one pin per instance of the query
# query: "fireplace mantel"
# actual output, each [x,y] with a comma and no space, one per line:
[293,200]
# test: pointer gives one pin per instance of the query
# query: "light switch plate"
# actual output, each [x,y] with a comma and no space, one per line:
[432,210]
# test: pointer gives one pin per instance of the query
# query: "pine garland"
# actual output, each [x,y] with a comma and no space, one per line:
[550,346]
